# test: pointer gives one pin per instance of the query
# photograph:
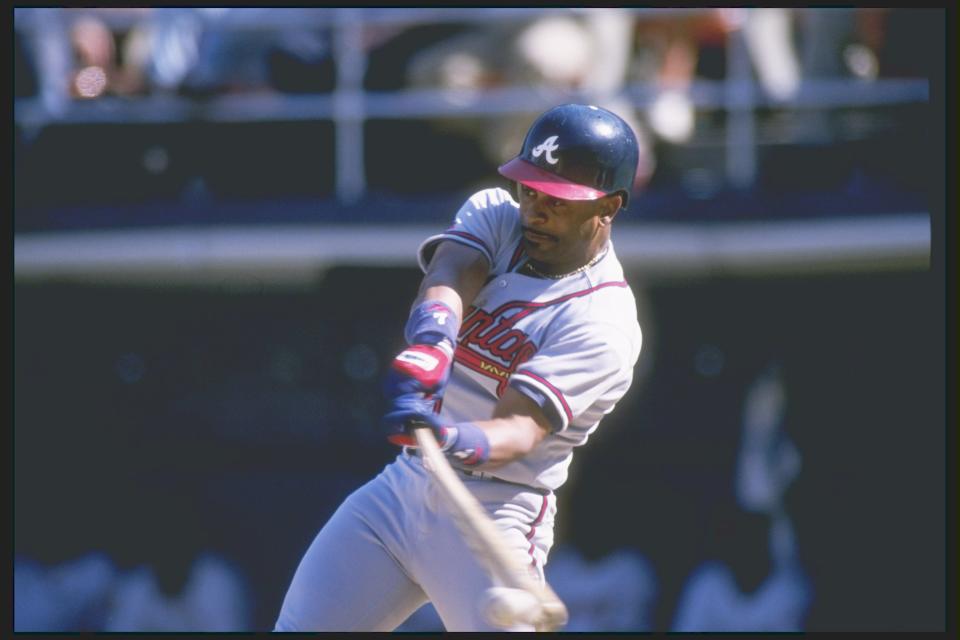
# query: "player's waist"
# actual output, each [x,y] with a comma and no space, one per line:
[482,475]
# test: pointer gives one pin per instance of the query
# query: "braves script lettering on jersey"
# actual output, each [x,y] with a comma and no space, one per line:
[570,344]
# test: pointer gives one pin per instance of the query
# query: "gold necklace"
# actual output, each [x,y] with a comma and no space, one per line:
[595,260]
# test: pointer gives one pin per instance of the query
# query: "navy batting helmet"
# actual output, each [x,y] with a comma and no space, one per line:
[577,152]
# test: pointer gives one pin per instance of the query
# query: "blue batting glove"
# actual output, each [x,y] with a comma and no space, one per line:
[406,409]
[464,442]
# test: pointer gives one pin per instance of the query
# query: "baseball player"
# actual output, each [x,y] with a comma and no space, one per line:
[522,337]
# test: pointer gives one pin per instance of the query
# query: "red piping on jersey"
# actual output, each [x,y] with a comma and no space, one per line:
[556,392]
[471,238]
[472,360]
[533,306]
[533,529]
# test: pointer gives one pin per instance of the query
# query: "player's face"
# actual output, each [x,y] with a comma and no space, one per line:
[564,234]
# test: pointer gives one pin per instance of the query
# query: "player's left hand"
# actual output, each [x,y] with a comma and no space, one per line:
[414,384]
[420,368]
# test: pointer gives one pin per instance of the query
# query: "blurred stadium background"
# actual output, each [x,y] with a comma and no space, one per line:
[216,214]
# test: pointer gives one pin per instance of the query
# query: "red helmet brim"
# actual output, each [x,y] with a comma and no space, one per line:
[551,184]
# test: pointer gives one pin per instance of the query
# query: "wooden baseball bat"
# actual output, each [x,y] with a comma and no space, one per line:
[483,537]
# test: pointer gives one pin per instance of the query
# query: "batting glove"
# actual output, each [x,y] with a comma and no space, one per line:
[464,442]
[424,366]
[421,368]
[406,410]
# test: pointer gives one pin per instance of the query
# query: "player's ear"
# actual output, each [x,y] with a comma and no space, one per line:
[609,207]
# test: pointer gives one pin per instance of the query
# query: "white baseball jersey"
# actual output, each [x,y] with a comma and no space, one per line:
[569,343]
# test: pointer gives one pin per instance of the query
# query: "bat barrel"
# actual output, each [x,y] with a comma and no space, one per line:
[554,615]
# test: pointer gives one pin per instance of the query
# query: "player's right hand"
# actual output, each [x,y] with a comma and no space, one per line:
[406,410]
[464,442]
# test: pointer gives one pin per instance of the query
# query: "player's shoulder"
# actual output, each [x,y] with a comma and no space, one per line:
[493,198]
[613,291]
[607,303]
[607,326]
[611,305]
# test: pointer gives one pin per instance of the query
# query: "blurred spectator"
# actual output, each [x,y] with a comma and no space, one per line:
[768,462]
[213,598]
[230,59]
[90,594]
[210,51]
[598,52]
[719,598]
[46,45]
[93,46]
[72,597]
[165,47]
[615,593]
[203,51]
[669,54]
[677,43]
[571,50]
[769,35]
[99,66]
[753,580]
[196,51]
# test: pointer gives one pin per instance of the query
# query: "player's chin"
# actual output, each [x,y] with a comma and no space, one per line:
[536,251]
[539,248]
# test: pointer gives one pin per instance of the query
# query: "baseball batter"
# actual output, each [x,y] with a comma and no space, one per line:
[523,336]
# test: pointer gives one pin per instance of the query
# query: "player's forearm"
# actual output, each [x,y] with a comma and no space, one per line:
[510,438]
[518,425]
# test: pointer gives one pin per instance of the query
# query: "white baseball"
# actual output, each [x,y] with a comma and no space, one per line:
[504,607]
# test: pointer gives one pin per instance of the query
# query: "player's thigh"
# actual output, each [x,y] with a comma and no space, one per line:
[348,581]
[455,582]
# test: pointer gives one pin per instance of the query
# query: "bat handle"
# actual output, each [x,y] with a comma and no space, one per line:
[417,424]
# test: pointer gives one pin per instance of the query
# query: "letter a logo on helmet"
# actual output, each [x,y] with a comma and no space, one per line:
[600,154]
[548,146]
